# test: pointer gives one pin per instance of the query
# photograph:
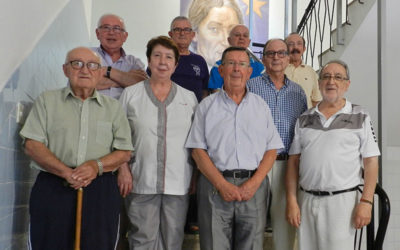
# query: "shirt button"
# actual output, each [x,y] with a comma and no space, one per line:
[83,137]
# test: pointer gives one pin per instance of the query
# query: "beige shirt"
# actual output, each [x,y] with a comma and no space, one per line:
[76,131]
[306,77]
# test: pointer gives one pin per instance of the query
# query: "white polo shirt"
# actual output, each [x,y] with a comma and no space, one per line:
[161,163]
[332,149]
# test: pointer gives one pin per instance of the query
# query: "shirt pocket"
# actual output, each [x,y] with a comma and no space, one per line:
[104,134]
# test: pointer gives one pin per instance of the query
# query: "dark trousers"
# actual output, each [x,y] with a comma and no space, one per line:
[52,211]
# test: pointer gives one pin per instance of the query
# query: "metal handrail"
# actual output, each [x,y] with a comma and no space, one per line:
[376,242]
[314,25]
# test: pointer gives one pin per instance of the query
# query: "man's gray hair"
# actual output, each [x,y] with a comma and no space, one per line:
[113,15]
[337,61]
[179,18]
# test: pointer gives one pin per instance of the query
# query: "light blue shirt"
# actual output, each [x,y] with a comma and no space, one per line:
[125,63]
[286,104]
[216,80]
[235,136]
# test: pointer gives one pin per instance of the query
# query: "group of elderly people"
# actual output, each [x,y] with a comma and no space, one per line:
[79,138]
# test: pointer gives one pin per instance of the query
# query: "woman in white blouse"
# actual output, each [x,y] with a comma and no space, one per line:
[160,115]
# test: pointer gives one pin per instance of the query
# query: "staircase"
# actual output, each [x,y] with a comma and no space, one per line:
[357,13]
[319,27]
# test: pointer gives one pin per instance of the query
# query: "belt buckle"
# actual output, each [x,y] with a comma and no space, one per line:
[237,174]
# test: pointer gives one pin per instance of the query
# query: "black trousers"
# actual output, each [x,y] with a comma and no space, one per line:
[52,214]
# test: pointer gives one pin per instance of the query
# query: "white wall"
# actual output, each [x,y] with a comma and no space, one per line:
[391,116]
[364,76]
[23,24]
[144,20]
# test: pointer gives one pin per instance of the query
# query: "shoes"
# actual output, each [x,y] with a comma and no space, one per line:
[192,229]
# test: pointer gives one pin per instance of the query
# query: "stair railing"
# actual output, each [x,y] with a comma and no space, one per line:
[316,27]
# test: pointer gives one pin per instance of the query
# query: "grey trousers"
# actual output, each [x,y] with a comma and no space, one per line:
[157,221]
[231,225]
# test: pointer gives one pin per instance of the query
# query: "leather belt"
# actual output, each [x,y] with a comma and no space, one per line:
[282,157]
[238,174]
[326,193]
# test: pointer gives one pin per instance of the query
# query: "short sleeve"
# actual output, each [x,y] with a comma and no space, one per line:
[121,130]
[216,80]
[258,69]
[35,126]
[274,141]
[295,148]
[196,138]
[369,146]
[136,63]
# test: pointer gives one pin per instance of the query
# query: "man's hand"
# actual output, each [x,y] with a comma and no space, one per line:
[362,215]
[138,75]
[229,192]
[293,213]
[85,172]
[75,184]
[125,180]
[248,189]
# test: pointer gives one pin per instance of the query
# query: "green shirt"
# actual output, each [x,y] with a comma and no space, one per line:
[77,131]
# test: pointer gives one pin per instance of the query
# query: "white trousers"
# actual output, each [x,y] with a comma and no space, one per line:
[326,221]
[283,234]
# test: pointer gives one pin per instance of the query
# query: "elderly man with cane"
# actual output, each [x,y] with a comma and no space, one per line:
[76,137]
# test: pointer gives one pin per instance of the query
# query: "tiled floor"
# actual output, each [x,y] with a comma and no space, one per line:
[191,242]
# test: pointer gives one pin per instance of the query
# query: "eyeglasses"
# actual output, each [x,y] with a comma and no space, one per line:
[336,78]
[93,66]
[271,54]
[108,28]
[179,30]
[232,64]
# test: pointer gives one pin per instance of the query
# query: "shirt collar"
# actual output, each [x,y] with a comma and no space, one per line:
[123,54]
[346,109]
[67,92]
[226,96]
[267,78]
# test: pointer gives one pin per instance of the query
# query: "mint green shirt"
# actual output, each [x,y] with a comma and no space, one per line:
[77,131]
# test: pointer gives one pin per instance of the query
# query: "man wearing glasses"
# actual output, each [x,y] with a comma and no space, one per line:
[333,143]
[76,138]
[234,142]
[119,69]
[301,73]
[239,36]
[191,72]
[287,102]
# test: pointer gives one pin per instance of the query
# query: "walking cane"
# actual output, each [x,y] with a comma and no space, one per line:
[78,219]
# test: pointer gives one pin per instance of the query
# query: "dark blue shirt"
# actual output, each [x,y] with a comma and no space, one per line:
[191,73]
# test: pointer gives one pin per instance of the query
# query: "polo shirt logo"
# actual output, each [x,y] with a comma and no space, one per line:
[347,121]
[196,69]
